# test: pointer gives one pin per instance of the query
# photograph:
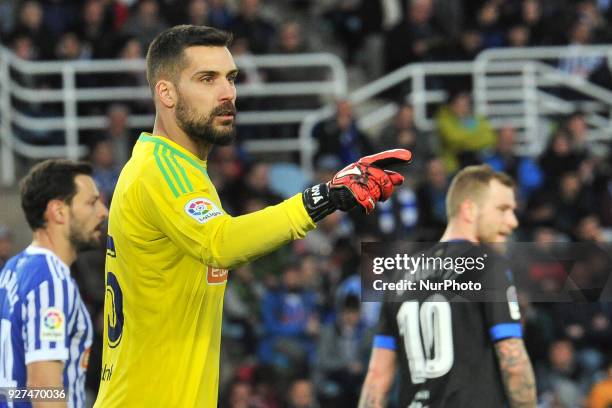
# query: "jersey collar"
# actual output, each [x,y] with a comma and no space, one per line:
[175,147]
[36,250]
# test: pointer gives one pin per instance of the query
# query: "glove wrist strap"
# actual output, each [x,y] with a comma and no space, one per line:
[318,202]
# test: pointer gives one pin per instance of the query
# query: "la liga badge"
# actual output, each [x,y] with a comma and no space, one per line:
[202,210]
[52,324]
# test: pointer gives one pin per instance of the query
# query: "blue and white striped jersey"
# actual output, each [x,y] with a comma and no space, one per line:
[42,318]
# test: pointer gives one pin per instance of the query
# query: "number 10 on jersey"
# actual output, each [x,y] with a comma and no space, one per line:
[428,337]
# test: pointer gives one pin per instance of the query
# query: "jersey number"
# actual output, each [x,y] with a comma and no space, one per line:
[428,337]
[114,319]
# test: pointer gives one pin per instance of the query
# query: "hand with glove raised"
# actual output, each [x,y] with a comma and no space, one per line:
[363,184]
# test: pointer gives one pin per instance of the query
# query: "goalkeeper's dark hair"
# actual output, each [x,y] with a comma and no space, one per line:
[166,55]
[471,183]
[46,181]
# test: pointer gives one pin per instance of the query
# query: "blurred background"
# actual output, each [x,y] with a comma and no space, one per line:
[523,85]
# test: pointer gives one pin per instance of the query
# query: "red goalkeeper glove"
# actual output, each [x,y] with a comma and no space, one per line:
[363,184]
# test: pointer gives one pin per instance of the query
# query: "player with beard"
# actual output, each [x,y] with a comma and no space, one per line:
[171,243]
[45,329]
[458,349]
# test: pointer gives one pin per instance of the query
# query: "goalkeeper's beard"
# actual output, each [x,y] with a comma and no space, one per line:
[201,128]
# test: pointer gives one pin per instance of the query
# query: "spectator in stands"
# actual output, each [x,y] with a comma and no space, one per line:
[490,24]
[301,394]
[173,11]
[226,168]
[558,158]
[239,395]
[242,296]
[572,201]
[6,245]
[341,136]
[574,63]
[198,13]
[415,38]
[601,393]
[291,41]
[603,199]
[589,229]
[265,386]
[255,185]
[219,14]
[345,18]
[431,199]
[22,47]
[250,25]
[538,327]
[398,216]
[578,130]
[146,23]
[463,135]
[524,170]
[587,325]
[402,133]
[69,47]
[290,323]
[589,11]
[468,45]
[30,25]
[105,170]
[8,10]
[95,30]
[59,16]
[118,133]
[541,30]
[343,350]
[130,49]
[562,375]
[328,232]
[518,36]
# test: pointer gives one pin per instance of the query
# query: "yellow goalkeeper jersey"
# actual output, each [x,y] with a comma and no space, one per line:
[169,248]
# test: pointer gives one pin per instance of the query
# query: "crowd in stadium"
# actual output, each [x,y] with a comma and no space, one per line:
[294,332]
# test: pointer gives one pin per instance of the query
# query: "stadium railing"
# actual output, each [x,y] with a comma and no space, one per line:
[519,87]
[69,95]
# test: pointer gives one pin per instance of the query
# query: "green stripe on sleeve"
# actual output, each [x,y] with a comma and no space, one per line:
[163,170]
[173,170]
[183,173]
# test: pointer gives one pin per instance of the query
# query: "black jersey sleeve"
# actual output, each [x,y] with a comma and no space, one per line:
[500,306]
[387,335]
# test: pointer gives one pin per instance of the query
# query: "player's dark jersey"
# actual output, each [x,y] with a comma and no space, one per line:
[445,340]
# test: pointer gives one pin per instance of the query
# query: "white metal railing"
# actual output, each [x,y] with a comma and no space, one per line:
[539,78]
[69,95]
[510,86]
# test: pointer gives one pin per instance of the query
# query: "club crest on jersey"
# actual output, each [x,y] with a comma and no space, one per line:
[202,210]
[52,324]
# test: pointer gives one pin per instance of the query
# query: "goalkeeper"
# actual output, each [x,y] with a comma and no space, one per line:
[171,243]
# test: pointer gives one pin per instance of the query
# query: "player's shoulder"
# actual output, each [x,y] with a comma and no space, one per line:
[34,266]
[160,164]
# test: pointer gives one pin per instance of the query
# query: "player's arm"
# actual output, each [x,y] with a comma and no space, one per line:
[45,335]
[223,241]
[44,374]
[379,379]
[516,372]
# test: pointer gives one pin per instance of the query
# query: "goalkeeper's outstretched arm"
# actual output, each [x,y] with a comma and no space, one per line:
[379,379]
